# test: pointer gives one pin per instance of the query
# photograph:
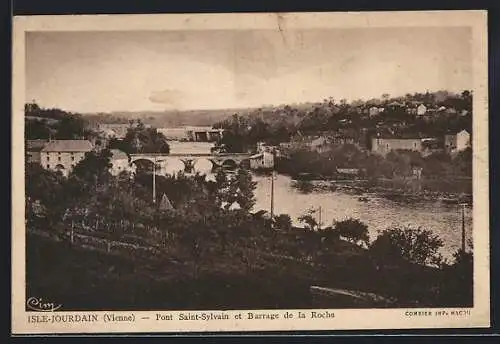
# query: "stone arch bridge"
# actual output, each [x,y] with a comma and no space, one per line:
[190,163]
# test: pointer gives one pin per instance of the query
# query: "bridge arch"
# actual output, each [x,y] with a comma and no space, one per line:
[173,165]
[142,164]
[229,164]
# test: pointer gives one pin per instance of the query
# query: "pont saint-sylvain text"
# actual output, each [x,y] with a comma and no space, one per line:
[211,316]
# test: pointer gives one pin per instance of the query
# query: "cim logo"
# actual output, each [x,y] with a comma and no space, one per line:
[37,304]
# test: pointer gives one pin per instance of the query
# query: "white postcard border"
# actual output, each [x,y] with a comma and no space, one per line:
[345,319]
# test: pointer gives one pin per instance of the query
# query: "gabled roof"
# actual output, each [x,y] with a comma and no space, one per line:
[68,146]
[456,132]
[35,145]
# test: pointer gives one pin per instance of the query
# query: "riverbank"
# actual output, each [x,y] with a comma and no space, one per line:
[406,191]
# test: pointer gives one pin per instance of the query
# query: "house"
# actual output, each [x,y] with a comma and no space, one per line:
[63,155]
[454,143]
[203,133]
[119,162]
[113,130]
[262,161]
[374,111]
[451,111]
[319,144]
[421,110]
[263,147]
[34,150]
[432,146]
[383,146]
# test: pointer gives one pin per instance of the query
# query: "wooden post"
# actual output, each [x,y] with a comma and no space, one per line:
[272,197]
[72,231]
[463,227]
[319,222]
[154,181]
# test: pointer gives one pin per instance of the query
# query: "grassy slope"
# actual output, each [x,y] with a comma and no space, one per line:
[83,279]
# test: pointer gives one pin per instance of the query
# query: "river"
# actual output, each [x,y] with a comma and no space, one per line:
[378,213]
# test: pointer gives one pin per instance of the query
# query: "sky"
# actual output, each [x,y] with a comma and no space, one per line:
[154,71]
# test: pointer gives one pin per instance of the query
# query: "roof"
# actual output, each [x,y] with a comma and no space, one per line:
[35,145]
[68,146]
[456,132]
[255,156]
[118,154]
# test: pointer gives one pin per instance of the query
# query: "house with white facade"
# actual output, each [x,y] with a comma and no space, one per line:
[454,143]
[119,162]
[63,155]
[383,146]
[421,110]
[262,161]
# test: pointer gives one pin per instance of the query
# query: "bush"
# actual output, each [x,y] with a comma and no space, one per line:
[415,245]
[353,230]
[283,222]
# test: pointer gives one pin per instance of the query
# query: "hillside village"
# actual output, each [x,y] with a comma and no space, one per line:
[87,202]
[429,124]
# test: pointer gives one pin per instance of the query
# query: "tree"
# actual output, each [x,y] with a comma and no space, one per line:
[353,230]
[415,245]
[94,168]
[140,139]
[309,219]
[283,222]
[241,190]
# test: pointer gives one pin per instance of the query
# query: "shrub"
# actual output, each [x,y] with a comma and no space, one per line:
[416,245]
[353,230]
[283,222]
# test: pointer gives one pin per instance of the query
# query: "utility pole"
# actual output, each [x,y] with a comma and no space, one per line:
[272,187]
[463,227]
[272,195]
[154,180]
[319,222]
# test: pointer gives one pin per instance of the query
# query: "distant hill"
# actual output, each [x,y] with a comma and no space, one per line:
[168,118]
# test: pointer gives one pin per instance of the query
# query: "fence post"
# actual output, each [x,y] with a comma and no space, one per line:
[72,231]
[108,246]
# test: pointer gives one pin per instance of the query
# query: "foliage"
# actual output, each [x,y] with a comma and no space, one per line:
[58,124]
[283,222]
[142,139]
[353,230]
[416,245]
[279,124]
[309,220]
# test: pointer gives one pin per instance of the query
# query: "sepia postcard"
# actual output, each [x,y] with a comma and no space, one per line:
[250,172]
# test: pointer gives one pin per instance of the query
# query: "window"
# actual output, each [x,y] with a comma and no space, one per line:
[72,157]
[48,165]
[414,145]
[58,158]
[48,158]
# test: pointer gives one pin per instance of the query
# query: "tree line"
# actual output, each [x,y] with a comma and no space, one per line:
[274,125]
[400,163]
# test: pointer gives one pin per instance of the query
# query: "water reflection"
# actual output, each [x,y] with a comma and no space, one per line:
[378,213]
